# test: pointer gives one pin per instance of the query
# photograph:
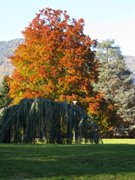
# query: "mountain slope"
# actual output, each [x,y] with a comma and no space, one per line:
[6,51]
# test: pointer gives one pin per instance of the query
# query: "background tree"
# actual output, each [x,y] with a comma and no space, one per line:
[5,100]
[55,61]
[115,82]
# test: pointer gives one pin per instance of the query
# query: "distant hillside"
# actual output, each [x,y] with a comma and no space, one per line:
[7,48]
[130,61]
[6,51]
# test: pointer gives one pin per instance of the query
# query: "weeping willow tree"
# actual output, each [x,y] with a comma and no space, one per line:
[53,122]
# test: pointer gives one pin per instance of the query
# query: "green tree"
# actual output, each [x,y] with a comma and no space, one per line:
[115,81]
[5,100]
[49,121]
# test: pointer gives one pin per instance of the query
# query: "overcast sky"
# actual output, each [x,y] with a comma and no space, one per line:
[104,19]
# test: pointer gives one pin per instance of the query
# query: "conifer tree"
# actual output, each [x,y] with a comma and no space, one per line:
[5,100]
[115,81]
[45,120]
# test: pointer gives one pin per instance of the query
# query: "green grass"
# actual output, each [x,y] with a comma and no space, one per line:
[67,162]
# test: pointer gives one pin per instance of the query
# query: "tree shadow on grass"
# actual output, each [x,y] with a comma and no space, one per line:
[42,161]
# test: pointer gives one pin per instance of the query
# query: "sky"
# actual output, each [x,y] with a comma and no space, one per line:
[104,19]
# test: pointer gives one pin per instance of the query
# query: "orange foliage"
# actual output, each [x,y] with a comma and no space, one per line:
[55,61]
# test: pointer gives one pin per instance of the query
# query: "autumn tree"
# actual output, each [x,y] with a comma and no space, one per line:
[55,61]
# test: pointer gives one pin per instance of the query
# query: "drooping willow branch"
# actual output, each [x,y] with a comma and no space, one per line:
[53,122]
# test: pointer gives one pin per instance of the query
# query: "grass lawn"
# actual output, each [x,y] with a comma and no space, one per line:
[72,162]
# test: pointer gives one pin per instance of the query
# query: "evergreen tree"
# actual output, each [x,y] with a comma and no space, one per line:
[5,100]
[115,81]
[45,120]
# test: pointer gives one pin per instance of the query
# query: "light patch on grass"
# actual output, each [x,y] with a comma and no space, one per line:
[119,141]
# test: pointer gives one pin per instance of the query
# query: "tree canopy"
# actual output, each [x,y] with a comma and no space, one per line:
[115,82]
[46,120]
[55,61]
